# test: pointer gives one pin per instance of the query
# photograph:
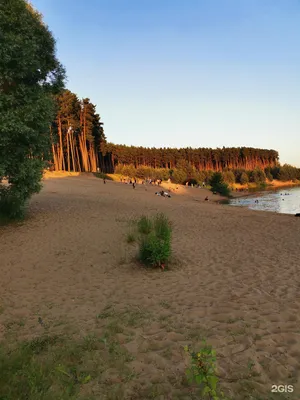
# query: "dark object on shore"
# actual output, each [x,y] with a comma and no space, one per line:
[297,215]
[104,181]
[163,194]
[133,185]
[206,198]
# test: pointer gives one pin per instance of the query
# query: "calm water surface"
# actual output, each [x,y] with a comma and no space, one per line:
[285,201]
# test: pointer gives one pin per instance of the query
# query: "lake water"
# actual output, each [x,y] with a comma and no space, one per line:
[285,201]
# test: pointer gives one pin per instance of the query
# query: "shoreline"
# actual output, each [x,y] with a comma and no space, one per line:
[270,187]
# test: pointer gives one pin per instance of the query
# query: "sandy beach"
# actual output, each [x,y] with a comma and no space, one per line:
[234,280]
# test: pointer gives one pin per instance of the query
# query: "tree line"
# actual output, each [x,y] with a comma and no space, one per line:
[186,173]
[201,158]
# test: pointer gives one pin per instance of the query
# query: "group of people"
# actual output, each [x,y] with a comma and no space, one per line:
[163,194]
[129,182]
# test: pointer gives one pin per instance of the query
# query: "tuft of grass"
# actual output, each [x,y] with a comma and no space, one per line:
[144,225]
[130,238]
[165,304]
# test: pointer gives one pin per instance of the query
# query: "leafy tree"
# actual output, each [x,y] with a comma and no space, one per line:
[288,172]
[269,174]
[229,177]
[258,176]
[179,176]
[218,185]
[244,178]
[30,75]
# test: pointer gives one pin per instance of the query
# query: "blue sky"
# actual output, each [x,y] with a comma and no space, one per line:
[199,73]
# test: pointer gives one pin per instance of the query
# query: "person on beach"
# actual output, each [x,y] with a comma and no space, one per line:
[133,185]
[104,181]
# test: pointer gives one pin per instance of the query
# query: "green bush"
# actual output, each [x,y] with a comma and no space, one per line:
[145,225]
[179,176]
[288,172]
[218,185]
[228,177]
[244,178]
[269,174]
[12,204]
[155,240]
[258,176]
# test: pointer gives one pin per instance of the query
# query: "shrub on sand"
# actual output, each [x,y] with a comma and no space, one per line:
[155,246]
[145,225]
[218,185]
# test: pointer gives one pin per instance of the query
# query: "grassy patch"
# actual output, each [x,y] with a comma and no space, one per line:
[57,367]
[102,175]
[130,238]
[165,304]
[144,225]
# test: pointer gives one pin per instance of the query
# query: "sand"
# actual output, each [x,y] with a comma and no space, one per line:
[234,280]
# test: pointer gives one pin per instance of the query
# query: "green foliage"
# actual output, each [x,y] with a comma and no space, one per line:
[30,75]
[275,172]
[191,159]
[218,185]
[102,175]
[244,178]
[130,238]
[202,371]
[228,177]
[191,181]
[42,369]
[258,176]
[154,240]
[268,172]
[179,176]
[145,225]
[288,173]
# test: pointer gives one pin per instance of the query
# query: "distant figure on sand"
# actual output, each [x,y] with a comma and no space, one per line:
[104,181]
[206,198]
[133,185]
